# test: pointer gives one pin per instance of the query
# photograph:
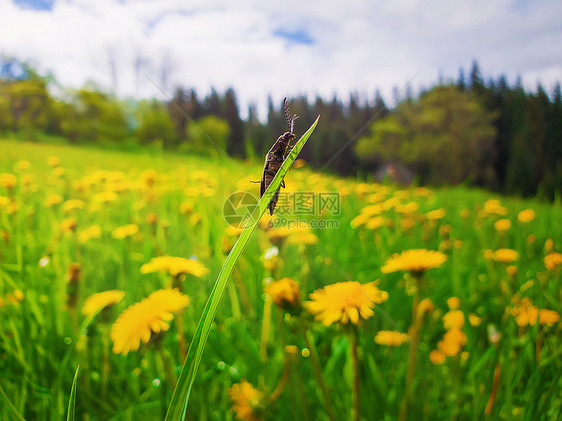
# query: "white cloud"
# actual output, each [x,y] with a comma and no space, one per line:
[359,45]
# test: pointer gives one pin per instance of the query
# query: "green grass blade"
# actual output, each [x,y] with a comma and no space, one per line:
[70,414]
[178,404]
[8,408]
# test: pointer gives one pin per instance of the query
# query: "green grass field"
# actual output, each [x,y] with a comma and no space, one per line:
[88,223]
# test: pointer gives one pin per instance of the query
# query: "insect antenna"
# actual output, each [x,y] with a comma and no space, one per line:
[290,120]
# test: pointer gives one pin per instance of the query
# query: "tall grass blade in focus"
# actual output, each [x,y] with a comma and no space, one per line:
[71,413]
[178,405]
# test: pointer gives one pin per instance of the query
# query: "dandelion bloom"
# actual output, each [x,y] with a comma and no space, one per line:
[526,215]
[375,223]
[474,319]
[454,303]
[151,315]
[87,234]
[525,313]
[73,204]
[502,255]
[175,266]
[306,238]
[548,317]
[553,261]
[125,231]
[345,301]
[246,401]
[502,225]
[53,199]
[68,224]
[437,357]
[101,300]
[359,220]
[285,293]
[436,214]
[391,338]
[53,161]
[452,342]
[8,180]
[454,319]
[4,201]
[416,261]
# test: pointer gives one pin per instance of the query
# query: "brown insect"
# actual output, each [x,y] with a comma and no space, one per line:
[276,156]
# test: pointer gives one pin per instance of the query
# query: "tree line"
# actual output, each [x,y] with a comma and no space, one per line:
[486,133]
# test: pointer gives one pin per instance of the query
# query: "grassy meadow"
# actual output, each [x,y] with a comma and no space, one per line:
[469,333]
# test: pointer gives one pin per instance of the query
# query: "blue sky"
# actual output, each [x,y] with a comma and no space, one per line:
[281,48]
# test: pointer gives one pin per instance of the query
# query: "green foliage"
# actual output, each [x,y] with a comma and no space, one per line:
[155,125]
[207,136]
[93,116]
[446,136]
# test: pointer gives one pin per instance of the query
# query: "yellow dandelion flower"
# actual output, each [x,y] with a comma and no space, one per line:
[306,238]
[125,231]
[285,293]
[415,261]
[359,220]
[68,225]
[105,197]
[22,165]
[502,225]
[452,342]
[548,317]
[422,192]
[246,401]
[138,322]
[465,213]
[474,320]
[53,161]
[436,214]
[553,261]
[89,233]
[175,266]
[345,302]
[8,180]
[58,172]
[73,204]
[454,303]
[186,207]
[548,245]
[502,255]
[4,201]
[525,313]
[391,338]
[526,215]
[511,270]
[454,319]
[53,199]
[436,357]
[375,223]
[408,208]
[101,300]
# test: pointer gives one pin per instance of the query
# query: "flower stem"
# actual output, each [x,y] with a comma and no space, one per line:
[356,383]
[309,340]
[414,333]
